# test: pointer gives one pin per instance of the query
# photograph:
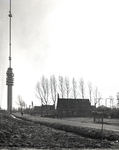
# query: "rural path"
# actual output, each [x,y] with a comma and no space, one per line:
[69,122]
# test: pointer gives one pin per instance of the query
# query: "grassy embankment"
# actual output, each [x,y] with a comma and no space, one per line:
[83,131]
[19,133]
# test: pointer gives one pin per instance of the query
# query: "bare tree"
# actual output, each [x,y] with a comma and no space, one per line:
[74,88]
[20,102]
[61,86]
[67,86]
[39,92]
[99,98]
[43,87]
[47,94]
[95,96]
[42,91]
[90,90]
[47,90]
[82,87]
[53,88]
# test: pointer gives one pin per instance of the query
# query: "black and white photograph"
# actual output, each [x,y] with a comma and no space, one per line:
[59,74]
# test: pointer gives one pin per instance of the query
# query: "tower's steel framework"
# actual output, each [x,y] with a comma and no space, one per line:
[10,75]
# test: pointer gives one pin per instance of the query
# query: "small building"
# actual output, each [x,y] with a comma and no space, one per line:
[37,110]
[73,107]
[48,110]
[106,111]
[44,110]
[101,112]
[27,110]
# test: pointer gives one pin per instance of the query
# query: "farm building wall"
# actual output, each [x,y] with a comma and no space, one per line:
[73,108]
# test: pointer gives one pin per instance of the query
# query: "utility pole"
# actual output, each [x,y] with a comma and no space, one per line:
[97,100]
[10,75]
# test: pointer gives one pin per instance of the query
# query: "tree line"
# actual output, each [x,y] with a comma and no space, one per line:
[47,89]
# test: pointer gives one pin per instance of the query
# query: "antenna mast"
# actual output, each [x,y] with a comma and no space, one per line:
[10,75]
[10,15]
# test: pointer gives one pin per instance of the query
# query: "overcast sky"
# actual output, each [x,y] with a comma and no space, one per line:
[74,38]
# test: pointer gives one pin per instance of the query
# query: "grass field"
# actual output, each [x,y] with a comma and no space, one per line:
[90,120]
[109,124]
[15,133]
[81,126]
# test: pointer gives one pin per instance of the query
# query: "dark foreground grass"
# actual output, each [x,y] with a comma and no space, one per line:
[83,131]
[19,133]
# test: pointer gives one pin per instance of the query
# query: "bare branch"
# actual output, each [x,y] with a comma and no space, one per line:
[53,88]
[67,86]
[61,86]
[20,102]
[82,87]
[74,88]
[90,90]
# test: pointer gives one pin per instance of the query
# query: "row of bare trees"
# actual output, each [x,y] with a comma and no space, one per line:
[47,89]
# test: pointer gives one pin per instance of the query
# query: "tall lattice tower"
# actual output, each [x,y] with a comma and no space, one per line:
[10,75]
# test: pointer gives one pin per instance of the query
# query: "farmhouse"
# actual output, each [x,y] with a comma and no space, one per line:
[73,107]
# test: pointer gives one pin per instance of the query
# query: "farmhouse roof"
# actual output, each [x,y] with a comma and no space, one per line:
[64,103]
